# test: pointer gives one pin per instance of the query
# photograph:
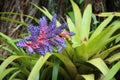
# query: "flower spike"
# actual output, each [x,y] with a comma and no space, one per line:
[44,38]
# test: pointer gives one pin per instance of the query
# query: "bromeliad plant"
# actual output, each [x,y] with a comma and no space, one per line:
[77,52]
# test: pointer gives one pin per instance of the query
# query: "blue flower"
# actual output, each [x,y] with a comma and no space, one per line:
[44,38]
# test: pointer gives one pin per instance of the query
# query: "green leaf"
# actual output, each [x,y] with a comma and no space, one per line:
[7,71]
[62,71]
[72,28]
[7,49]
[69,50]
[105,53]
[88,76]
[105,14]
[101,27]
[9,60]
[80,54]
[71,15]
[98,43]
[113,58]
[80,1]
[6,37]
[85,77]
[37,76]
[86,21]
[100,64]
[13,20]
[55,69]
[6,63]
[7,40]
[13,75]
[38,66]
[117,40]
[77,15]
[112,71]
[20,14]
[95,20]
[45,11]
[45,73]
[68,64]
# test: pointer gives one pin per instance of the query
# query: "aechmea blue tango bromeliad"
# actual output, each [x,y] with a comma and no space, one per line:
[44,37]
